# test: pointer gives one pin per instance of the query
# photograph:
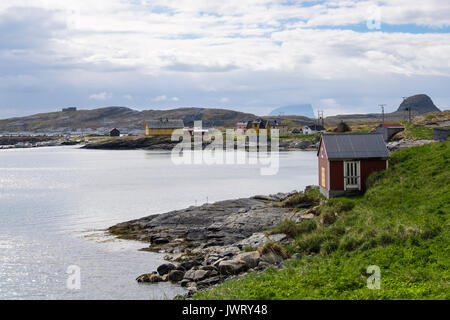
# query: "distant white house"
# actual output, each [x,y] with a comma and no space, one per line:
[313,129]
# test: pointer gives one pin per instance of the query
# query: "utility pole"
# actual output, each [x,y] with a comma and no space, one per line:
[320,117]
[382,109]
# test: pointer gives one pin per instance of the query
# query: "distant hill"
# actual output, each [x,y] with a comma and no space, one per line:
[419,104]
[304,110]
[127,120]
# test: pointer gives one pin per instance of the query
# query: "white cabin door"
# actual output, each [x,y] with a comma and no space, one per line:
[352,175]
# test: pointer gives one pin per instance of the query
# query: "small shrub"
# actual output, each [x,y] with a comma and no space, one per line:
[273,247]
[288,227]
[298,199]
[341,204]
[385,238]
[311,243]
[307,225]
[249,248]
[342,127]
[429,232]
[337,230]
[328,247]
[349,243]
[327,218]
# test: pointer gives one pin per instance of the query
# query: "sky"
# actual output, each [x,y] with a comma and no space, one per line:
[246,55]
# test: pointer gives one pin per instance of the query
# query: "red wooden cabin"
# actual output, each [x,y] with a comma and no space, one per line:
[347,160]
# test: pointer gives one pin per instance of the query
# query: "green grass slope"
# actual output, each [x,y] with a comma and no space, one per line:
[400,225]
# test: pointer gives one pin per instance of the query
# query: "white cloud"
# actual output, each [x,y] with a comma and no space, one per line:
[100,96]
[160,98]
[247,51]
[224,100]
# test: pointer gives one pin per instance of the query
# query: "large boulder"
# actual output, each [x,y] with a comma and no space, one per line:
[196,275]
[232,267]
[251,259]
[165,268]
[149,277]
[176,275]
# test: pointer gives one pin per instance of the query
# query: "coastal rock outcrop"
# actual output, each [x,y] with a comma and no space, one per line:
[206,243]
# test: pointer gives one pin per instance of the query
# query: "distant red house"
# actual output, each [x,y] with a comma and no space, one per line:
[346,161]
[114,133]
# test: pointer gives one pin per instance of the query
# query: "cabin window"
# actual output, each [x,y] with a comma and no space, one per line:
[321,152]
[352,175]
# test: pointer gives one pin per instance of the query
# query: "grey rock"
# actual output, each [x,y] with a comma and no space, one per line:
[199,275]
[189,275]
[251,259]
[208,268]
[272,258]
[208,282]
[232,267]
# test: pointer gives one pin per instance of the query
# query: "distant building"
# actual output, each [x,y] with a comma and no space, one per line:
[114,133]
[346,161]
[162,126]
[71,109]
[388,130]
[282,128]
[241,126]
[441,134]
[257,125]
[313,129]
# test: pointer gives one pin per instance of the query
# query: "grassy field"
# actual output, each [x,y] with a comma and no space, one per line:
[400,225]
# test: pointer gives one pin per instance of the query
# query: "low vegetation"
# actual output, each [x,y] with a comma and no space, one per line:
[308,137]
[416,132]
[400,225]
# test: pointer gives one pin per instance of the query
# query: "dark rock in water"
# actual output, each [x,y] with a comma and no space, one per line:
[165,268]
[184,282]
[176,275]
[419,104]
[149,277]
[159,241]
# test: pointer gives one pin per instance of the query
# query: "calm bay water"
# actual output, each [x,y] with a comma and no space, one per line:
[55,204]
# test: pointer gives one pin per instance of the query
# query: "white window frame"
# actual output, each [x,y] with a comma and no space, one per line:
[353,176]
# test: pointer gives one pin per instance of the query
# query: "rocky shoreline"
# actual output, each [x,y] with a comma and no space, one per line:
[210,243]
[164,143]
